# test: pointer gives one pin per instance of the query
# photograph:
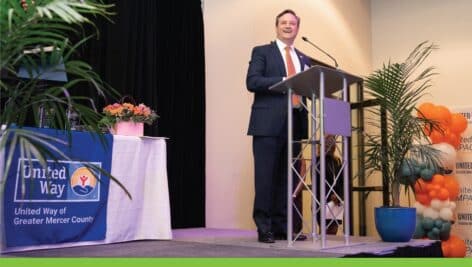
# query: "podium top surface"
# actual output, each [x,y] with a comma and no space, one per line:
[308,81]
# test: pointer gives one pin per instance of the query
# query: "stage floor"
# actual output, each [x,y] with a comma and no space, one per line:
[204,242]
[336,246]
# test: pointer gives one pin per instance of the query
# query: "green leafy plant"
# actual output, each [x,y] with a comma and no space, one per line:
[400,140]
[35,34]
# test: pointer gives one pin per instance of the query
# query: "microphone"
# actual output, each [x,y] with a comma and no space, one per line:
[324,52]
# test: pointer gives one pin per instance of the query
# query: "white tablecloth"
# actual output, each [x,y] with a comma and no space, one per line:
[139,163]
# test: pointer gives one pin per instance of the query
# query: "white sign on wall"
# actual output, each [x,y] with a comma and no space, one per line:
[463,173]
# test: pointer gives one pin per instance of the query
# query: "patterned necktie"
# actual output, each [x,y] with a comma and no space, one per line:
[291,71]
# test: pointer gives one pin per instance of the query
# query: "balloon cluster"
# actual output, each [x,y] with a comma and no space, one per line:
[435,192]
[440,187]
[434,208]
[412,170]
[450,125]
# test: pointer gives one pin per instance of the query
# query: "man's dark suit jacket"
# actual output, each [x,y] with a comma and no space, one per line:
[269,109]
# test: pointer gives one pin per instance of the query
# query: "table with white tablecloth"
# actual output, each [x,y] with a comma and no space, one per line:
[139,164]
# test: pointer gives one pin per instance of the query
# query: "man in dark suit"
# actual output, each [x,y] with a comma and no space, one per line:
[271,64]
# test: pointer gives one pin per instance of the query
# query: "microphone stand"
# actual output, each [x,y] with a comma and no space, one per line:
[324,52]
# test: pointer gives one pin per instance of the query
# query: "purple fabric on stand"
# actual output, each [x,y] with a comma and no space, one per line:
[337,117]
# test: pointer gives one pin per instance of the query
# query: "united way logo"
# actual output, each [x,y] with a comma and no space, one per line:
[58,181]
[83,181]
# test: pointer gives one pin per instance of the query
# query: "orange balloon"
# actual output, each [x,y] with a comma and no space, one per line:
[425,110]
[436,137]
[452,186]
[435,114]
[452,138]
[420,187]
[438,179]
[454,247]
[423,199]
[458,123]
[430,187]
[443,194]
[458,248]
[446,248]
[443,115]
[433,194]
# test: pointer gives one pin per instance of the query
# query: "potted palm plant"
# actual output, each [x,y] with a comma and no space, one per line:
[35,34]
[400,148]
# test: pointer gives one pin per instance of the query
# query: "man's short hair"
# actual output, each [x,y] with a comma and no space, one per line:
[287,11]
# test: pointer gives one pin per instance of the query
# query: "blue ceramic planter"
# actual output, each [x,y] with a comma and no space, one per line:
[395,224]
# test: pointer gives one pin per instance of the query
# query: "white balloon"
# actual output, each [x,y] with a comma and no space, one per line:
[447,156]
[431,213]
[419,208]
[452,205]
[436,204]
[446,214]
[445,203]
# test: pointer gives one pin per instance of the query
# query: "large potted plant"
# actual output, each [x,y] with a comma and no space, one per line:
[398,148]
[40,33]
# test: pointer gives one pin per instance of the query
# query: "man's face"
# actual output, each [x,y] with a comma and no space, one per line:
[287,28]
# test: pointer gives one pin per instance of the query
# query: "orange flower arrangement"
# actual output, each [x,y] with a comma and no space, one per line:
[128,112]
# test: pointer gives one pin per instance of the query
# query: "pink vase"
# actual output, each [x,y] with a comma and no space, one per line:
[128,128]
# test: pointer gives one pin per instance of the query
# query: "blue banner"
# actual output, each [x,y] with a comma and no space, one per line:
[66,200]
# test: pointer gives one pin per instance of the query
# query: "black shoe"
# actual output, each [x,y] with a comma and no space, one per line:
[301,237]
[265,237]
[283,236]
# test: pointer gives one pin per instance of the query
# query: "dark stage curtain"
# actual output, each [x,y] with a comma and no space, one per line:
[154,52]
